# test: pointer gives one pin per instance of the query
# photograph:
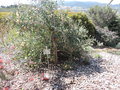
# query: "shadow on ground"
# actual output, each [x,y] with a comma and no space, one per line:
[87,70]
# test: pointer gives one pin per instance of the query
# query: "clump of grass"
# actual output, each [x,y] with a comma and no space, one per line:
[68,65]
[115,52]
[4,14]
[97,56]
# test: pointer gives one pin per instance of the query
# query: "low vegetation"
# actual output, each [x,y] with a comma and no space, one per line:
[4,24]
[107,24]
[68,35]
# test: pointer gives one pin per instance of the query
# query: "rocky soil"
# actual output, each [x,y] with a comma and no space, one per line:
[102,74]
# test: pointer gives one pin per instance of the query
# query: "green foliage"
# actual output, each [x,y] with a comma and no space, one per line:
[32,46]
[42,26]
[12,37]
[109,38]
[102,16]
[4,24]
[118,46]
[105,17]
[89,49]
[107,24]
[96,55]
[82,20]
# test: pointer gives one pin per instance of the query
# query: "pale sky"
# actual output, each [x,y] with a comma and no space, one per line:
[9,2]
[101,1]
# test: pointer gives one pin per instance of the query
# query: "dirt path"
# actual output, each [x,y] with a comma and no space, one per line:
[107,79]
[101,74]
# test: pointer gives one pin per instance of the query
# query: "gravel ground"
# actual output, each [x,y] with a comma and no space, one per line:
[107,76]
[101,74]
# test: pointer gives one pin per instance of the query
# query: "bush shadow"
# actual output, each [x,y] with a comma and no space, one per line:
[94,67]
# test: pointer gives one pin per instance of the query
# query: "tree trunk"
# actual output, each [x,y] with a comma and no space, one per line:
[54,48]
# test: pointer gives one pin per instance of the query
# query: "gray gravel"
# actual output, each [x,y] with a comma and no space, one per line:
[101,74]
[107,77]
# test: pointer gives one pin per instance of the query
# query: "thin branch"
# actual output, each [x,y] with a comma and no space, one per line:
[110,2]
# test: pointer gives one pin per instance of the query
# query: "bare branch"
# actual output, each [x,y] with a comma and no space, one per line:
[110,2]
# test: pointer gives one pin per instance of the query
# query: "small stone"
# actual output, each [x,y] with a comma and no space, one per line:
[1,61]
[1,66]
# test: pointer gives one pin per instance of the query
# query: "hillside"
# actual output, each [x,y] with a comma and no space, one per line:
[74,5]
[8,8]
[85,5]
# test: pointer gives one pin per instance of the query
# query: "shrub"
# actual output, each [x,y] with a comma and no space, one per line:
[97,56]
[109,38]
[41,26]
[82,20]
[107,24]
[103,16]
[12,37]
[4,24]
[118,46]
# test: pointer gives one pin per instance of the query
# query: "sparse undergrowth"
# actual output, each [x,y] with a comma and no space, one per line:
[116,52]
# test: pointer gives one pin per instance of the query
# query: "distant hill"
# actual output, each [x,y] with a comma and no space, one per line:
[74,5]
[86,5]
[8,8]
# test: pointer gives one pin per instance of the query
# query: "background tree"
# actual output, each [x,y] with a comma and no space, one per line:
[105,17]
